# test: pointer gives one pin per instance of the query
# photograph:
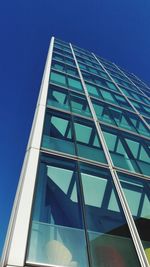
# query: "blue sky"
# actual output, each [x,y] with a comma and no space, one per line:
[116,30]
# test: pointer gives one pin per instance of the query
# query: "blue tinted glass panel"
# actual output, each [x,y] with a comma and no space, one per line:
[137,192]
[88,143]
[57,97]
[74,84]
[57,134]
[79,105]
[109,238]
[56,235]
[58,78]
[128,152]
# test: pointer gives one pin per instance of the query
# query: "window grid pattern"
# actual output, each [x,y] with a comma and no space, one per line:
[71,131]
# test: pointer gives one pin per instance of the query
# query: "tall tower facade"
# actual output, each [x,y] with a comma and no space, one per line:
[83,198]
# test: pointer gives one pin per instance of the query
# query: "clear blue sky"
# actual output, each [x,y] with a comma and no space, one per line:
[118,30]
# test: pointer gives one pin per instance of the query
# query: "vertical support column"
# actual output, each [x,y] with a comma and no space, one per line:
[16,239]
[132,227]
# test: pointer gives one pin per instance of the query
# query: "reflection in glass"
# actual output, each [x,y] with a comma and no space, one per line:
[87,140]
[64,68]
[120,117]
[57,236]
[109,237]
[137,192]
[57,97]
[65,81]
[128,151]
[57,133]
[79,104]
[143,109]
[67,100]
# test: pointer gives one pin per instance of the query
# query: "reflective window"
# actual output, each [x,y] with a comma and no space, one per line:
[74,84]
[68,100]
[60,134]
[57,134]
[137,192]
[126,84]
[109,237]
[107,96]
[58,41]
[117,75]
[143,109]
[63,59]
[92,89]
[65,68]
[79,104]
[128,151]
[58,78]
[63,52]
[99,81]
[56,235]
[85,64]
[120,118]
[57,97]
[94,71]
[88,144]
[136,96]
[147,120]
[66,81]
[62,47]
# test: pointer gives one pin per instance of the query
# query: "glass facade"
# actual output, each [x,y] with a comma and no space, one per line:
[91,199]
[78,218]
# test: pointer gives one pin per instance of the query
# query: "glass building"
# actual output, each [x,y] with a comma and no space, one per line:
[83,198]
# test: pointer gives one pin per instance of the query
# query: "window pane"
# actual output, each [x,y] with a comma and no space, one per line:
[58,78]
[88,144]
[128,151]
[57,56]
[137,192]
[108,96]
[143,109]
[79,104]
[57,133]
[58,98]
[110,241]
[57,236]
[111,86]
[71,71]
[74,84]
[58,66]
[122,119]
[103,113]
[92,89]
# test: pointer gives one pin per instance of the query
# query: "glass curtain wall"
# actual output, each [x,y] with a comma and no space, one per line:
[78,219]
